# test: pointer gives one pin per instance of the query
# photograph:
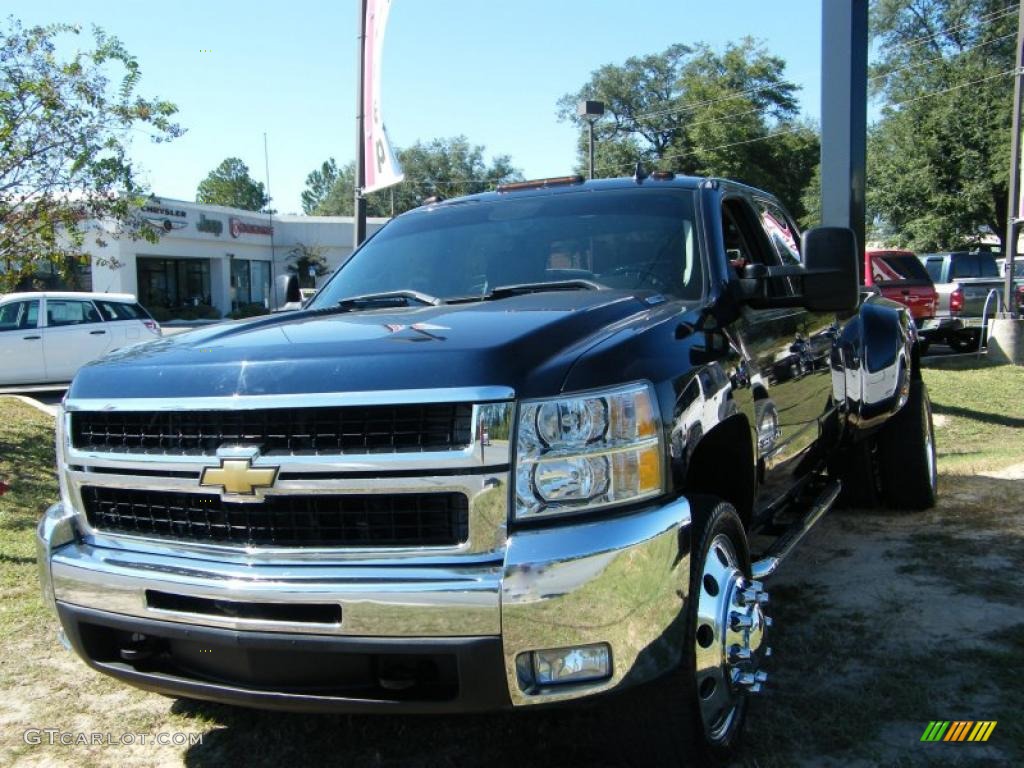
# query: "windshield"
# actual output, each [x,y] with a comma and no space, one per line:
[635,239]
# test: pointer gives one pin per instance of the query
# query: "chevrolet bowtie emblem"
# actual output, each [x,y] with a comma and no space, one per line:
[238,476]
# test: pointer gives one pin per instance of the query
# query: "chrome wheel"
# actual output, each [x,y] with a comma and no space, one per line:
[929,445]
[729,636]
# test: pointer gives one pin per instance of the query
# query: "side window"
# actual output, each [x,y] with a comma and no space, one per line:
[19,315]
[30,317]
[934,267]
[114,310]
[781,232]
[61,312]
[747,242]
[10,315]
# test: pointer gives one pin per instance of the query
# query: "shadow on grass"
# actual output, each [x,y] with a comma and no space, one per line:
[552,737]
[968,413]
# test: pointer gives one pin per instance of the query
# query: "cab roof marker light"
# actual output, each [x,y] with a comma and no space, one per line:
[556,181]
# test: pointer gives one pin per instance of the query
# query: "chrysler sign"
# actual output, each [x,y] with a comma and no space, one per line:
[238,227]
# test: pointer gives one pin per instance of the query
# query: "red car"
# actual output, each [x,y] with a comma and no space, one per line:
[899,276]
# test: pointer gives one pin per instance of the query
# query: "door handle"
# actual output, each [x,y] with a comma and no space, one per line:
[96,333]
[32,338]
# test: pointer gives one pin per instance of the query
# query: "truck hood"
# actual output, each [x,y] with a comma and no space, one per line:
[524,342]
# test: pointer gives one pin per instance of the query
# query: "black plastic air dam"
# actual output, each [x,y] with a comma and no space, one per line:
[301,673]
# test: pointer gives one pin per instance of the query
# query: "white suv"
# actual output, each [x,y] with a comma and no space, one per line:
[46,337]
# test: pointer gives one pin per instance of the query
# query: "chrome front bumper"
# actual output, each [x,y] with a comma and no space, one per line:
[620,581]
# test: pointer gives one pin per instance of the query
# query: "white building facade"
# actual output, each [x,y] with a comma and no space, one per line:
[211,255]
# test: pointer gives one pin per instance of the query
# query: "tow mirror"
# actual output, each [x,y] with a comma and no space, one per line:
[826,282]
[830,260]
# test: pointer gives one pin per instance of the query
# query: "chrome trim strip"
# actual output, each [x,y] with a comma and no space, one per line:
[384,602]
[296,400]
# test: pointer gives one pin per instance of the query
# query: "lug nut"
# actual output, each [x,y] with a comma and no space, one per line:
[738,653]
[768,652]
[768,621]
[739,621]
[748,596]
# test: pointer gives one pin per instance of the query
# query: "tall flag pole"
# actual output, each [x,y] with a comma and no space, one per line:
[377,167]
[359,209]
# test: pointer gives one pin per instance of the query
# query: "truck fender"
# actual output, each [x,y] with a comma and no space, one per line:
[876,358]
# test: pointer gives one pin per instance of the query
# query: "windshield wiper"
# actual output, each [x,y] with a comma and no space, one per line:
[503,291]
[390,299]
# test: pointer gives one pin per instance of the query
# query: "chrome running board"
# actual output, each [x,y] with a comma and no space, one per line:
[787,542]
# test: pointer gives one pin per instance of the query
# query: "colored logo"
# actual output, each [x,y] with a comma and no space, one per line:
[239,477]
[958,730]
[238,227]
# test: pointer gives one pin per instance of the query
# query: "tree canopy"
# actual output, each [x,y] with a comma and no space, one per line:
[448,167]
[66,123]
[230,184]
[938,159]
[696,111]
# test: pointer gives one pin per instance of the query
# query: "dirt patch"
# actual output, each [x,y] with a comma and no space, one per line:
[922,623]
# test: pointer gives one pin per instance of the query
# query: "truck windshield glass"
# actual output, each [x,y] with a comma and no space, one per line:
[629,240]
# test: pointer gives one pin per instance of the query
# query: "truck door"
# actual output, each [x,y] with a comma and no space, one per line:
[788,350]
[74,335]
[21,343]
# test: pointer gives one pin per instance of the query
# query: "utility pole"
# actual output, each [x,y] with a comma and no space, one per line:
[844,99]
[270,210]
[1013,208]
[359,209]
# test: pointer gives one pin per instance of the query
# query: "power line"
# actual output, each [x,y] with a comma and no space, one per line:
[937,59]
[981,20]
[951,88]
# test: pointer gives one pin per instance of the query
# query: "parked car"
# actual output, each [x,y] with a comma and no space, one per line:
[899,276]
[963,281]
[514,453]
[46,337]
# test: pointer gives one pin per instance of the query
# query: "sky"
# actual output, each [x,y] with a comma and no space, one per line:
[491,70]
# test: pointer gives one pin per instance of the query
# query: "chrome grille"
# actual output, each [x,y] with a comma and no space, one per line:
[347,520]
[291,431]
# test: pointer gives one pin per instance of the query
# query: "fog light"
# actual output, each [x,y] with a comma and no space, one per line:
[572,665]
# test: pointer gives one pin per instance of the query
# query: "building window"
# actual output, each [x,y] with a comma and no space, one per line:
[250,282]
[173,283]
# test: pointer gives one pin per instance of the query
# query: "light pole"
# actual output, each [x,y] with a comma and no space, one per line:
[590,111]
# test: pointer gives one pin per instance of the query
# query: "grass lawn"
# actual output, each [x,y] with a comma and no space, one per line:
[982,416]
[883,622]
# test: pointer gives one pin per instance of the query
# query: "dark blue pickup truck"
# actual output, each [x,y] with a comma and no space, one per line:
[515,452]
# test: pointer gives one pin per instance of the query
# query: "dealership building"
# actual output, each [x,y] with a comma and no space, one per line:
[217,256]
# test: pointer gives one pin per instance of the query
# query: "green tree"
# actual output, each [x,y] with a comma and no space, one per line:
[305,258]
[696,111]
[441,167]
[938,159]
[318,185]
[66,123]
[230,184]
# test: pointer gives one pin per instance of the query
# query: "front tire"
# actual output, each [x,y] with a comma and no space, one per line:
[697,711]
[906,453]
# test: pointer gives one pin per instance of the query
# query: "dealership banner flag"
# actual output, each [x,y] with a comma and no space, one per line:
[381,166]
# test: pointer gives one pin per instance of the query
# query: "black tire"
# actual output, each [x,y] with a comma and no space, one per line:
[906,453]
[966,342]
[856,467]
[667,711]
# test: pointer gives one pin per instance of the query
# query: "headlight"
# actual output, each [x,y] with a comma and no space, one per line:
[587,451]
